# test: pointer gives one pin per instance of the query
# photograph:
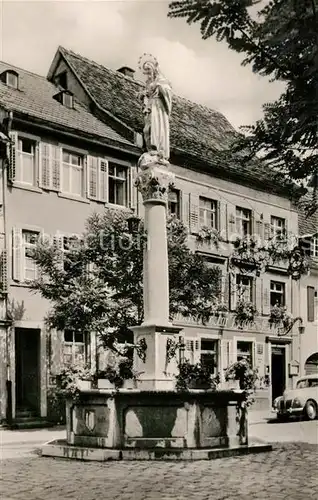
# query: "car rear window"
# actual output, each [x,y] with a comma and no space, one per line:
[302,384]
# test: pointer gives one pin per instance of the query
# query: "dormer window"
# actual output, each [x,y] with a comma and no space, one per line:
[61,80]
[67,100]
[65,97]
[10,78]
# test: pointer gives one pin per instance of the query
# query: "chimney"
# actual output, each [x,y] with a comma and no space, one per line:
[126,71]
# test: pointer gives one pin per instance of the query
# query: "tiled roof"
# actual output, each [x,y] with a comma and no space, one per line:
[307,225]
[35,98]
[196,131]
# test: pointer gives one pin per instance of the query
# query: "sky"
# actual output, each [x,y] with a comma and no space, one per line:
[116,33]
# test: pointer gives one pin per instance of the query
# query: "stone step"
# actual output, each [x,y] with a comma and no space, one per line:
[31,423]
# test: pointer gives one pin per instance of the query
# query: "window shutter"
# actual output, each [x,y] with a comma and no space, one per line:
[17,256]
[103,179]
[232,290]
[133,193]
[92,169]
[192,350]
[288,301]
[230,222]
[267,227]
[185,208]
[253,284]
[258,294]
[259,229]
[226,287]
[12,154]
[225,356]
[58,242]
[4,271]
[197,351]
[222,219]
[259,358]
[45,165]
[232,351]
[266,295]
[310,303]
[56,159]
[194,213]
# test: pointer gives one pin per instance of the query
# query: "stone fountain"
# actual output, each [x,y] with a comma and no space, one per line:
[154,421]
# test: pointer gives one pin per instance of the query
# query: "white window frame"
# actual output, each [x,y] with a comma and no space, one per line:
[314,247]
[278,225]
[25,247]
[272,288]
[16,80]
[117,179]
[243,215]
[209,351]
[249,340]
[72,167]
[238,293]
[73,344]
[204,212]
[20,154]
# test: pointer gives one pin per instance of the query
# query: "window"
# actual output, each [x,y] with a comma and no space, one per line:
[311,303]
[244,288]
[174,202]
[277,293]
[302,384]
[26,167]
[209,355]
[12,79]
[29,241]
[244,350]
[74,348]
[61,80]
[208,212]
[314,247]
[243,221]
[278,226]
[72,173]
[67,100]
[117,185]
[69,244]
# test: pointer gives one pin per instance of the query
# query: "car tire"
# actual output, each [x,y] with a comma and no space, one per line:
[311,410]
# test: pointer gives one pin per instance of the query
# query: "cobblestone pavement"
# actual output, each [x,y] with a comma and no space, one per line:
[288,472]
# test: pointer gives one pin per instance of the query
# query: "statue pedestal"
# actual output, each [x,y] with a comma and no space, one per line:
[154,373]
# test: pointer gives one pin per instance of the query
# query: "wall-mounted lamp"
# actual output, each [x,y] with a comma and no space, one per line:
[133,223]
[301,328]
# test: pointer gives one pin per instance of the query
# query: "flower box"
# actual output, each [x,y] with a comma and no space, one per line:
[130,384]
[231,385]
[83,385]
[104,383]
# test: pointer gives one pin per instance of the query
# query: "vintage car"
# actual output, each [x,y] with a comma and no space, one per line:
[302,401]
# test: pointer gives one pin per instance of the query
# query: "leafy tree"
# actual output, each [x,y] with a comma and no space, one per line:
[279,39]
[97,286]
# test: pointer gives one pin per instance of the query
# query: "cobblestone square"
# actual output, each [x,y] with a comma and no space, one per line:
[288,472]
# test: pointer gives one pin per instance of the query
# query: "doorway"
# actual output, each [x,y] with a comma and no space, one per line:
[27,369]
[278,371]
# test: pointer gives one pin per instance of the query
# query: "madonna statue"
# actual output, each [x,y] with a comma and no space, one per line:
[157,102]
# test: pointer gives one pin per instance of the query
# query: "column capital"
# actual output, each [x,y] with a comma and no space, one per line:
[154,178]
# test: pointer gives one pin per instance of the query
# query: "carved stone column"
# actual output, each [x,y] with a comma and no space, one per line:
[153,183]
